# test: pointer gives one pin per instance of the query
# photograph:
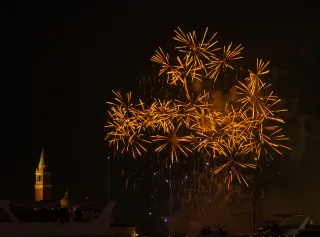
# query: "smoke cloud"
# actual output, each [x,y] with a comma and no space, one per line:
[292,190]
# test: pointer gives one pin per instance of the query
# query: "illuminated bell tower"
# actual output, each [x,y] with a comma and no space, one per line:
[42,185]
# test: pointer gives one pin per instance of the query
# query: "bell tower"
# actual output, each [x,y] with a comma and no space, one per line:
[42,187]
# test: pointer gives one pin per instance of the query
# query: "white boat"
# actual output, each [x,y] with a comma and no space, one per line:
[285,225]
[311,230]
[11,226]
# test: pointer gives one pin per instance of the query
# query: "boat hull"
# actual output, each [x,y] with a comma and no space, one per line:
[54,229]
[98,227]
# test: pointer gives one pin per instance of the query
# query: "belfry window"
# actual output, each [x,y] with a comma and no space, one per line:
[39,178]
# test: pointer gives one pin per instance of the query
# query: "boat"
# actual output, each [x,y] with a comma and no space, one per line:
[285,225]
[311,230]
[11,226]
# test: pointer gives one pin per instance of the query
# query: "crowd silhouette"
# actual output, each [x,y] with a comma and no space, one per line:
[207,231]
[61,215]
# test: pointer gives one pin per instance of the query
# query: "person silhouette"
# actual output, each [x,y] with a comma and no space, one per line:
[208,230]
[203,231]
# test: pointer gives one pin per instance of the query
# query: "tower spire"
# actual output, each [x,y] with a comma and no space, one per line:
[43,183]
[41,162]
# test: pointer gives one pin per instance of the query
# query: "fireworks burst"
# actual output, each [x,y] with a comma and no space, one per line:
[236,135]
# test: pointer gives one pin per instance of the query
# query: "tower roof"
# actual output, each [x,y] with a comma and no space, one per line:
[41,162]
[42,166]
[66,195]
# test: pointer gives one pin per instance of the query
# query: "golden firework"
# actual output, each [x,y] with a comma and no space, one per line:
[235,135]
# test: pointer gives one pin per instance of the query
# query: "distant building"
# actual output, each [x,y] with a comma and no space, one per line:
[90,210]
[42,187]
[64,202]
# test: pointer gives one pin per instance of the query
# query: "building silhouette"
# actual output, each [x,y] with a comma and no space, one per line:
[65,202]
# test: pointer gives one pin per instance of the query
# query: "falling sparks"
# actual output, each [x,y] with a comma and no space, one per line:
[236,135]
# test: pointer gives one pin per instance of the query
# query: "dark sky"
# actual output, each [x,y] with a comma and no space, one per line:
[74,53]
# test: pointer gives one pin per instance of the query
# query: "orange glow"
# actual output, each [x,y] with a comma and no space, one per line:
[237,130]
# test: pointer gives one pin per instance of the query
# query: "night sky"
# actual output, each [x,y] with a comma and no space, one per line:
[74,54]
